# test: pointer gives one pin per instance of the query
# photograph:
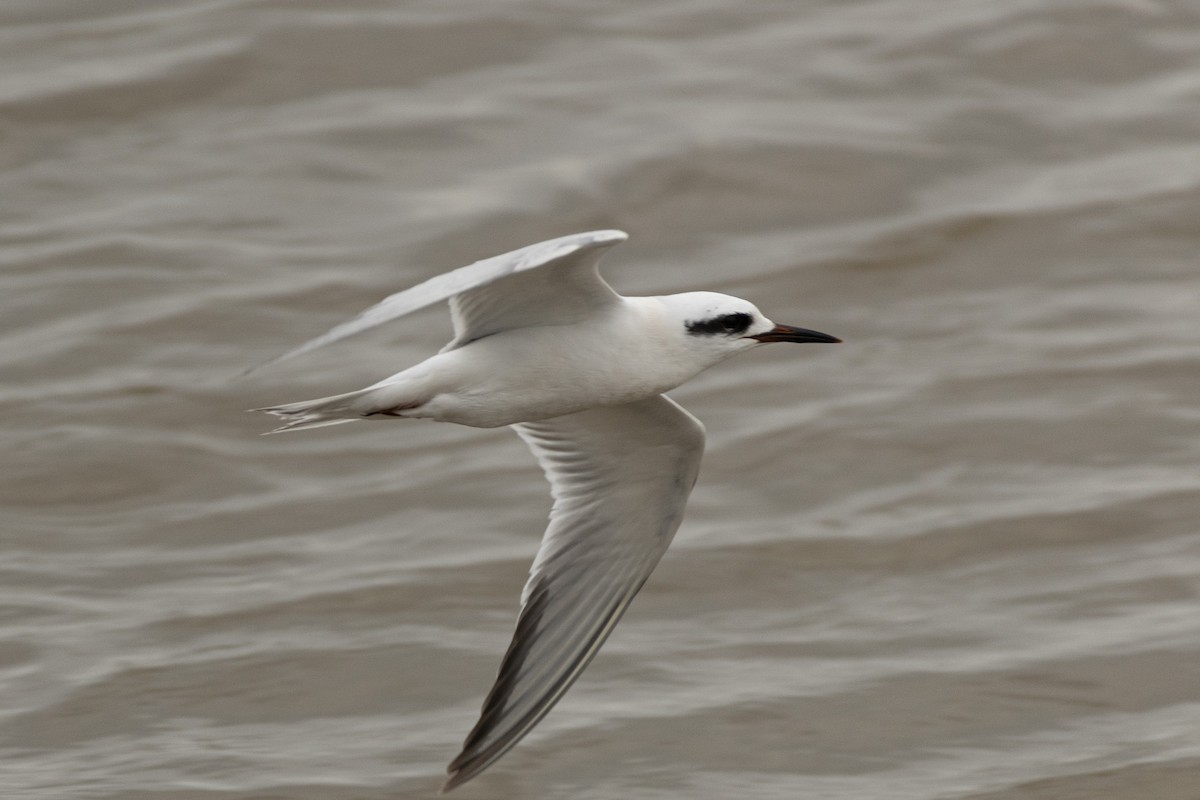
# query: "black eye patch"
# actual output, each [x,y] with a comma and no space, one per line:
[724,324]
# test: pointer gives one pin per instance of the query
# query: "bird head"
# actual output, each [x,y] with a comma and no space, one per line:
[720,326]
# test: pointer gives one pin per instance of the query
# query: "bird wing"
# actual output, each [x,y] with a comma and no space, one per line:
[620,477]
[511,290]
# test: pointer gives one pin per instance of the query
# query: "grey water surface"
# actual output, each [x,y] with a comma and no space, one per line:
[956,557]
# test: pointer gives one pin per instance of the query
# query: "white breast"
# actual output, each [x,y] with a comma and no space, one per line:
[547,371]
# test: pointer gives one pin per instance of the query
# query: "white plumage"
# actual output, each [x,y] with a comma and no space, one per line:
[542,343]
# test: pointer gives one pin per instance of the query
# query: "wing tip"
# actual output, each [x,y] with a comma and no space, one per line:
[609,236]
[466,766]
[452,782]
[470,762]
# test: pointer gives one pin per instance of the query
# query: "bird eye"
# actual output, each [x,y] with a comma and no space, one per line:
[726,324]
[734,323]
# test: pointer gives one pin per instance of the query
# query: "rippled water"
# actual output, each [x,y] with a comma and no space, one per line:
[956,557]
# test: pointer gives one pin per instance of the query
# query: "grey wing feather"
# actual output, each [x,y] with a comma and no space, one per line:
[620,477]
[464,280]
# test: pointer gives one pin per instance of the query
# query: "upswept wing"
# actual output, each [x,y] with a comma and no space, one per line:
[620,477]
[572,285]
[566,289]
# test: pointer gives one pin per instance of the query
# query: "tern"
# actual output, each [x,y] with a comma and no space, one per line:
[543,344]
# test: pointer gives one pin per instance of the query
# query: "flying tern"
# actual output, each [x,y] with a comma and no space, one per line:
[543,344]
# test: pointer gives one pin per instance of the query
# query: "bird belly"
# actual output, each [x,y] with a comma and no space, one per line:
[498,381]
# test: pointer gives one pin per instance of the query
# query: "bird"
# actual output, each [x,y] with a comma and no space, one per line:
[544,345]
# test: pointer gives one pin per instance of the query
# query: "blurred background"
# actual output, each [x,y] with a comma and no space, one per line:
[955,557]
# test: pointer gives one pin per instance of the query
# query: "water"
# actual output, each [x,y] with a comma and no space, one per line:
[956,557]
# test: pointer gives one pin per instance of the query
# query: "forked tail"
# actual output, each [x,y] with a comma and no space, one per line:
[321,412]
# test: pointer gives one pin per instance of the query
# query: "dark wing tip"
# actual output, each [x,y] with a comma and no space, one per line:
[453,782]
[476,756]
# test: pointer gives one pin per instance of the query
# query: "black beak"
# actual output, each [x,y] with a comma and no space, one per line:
[786,333]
